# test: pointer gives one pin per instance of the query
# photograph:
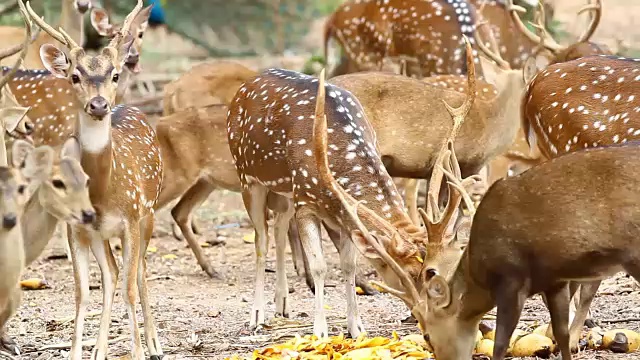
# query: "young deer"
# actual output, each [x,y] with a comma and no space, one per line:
[119,151]
[71,19]
[62,196]
[270,135]
[525,241]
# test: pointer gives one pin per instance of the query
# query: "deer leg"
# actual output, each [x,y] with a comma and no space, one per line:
[109,269]
[348,262]
[182,214]
[280,230]
[79,243]
[361,280]
[131,244]
[510,302]
[150,332]
[411,193]
[195,226]
[558,303]
[296,249]
[588,291]
[309,227]
[255,201]
[6,342]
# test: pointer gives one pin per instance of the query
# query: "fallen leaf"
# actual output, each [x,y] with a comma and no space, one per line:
[34,284]
[249,238]
[359,290]
[327,307]
[152,249]
[170,256]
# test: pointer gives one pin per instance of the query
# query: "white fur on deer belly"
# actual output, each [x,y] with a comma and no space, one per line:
[111,225]
[268,184]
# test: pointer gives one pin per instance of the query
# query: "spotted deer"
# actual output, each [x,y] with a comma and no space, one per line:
[525,241]
[71,18]
[119,151]
[428,33]
[272,143]
[61,194]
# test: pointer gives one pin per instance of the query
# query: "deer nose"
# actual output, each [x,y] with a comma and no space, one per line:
[88,216]
[133,58]
[83,6]
[9,221]
[28,127]
[98,107]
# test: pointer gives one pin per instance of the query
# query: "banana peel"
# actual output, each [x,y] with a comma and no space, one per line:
[34,284]
[341,348]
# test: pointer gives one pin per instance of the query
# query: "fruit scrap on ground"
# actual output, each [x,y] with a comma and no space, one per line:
[338,347]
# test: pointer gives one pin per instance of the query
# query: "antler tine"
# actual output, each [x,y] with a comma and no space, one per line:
[320,145]
[24,46]
[126,25]
[595,19]
[548,42]
[495,56]
[59,36]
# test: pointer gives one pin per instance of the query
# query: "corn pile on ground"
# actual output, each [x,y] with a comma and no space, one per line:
[338,347]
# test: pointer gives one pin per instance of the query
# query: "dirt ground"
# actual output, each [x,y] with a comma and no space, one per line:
[199,317]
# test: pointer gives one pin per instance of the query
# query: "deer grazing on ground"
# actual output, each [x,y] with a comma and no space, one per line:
[71,19]
[530,235]
[61,195]
[119,151]
[272,141]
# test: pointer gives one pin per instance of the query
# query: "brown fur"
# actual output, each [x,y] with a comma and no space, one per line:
[511,257]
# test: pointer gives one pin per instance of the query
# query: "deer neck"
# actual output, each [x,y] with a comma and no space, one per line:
[11,259]
[505,110]
[475,300]
[38,228]
[72,22]
[123,85]
[97,156]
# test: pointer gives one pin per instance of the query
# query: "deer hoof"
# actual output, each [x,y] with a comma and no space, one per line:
[10,346]
[213,273]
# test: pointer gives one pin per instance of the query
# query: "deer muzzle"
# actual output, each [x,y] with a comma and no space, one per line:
[82,6]
[9,221]
[98,107]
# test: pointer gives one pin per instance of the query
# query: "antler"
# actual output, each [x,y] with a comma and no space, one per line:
[124,31]
[493,55]
[61,35]
[547,41]
[411,297]
[24,46]
[10,51]
[595,20]
[435,220]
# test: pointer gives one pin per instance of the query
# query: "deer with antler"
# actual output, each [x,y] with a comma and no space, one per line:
[119,151]
[571,219]
[71,18]
[277,153]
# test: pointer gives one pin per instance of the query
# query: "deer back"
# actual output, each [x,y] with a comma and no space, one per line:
[410,120]
[583,103]
[214,82]
[194,144]
[54,108]
[429,32]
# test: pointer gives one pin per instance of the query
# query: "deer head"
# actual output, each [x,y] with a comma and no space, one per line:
[62,186]
[101,22]
[93,78]
[82,6]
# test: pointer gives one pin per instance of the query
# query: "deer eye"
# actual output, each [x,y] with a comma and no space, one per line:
[21,189]
[75,78]
[116,77]
[58,184]
[140,35]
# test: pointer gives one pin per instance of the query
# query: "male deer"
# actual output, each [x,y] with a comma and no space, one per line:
[119,151]
[71,19]
[526,241]
[270,136]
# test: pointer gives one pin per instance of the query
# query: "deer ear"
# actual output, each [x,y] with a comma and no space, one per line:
[71,148]
[363,246]
[55,60]
[12,116]
[490,70]
[38,163]
[100,22]
[438,293]
[19,152]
